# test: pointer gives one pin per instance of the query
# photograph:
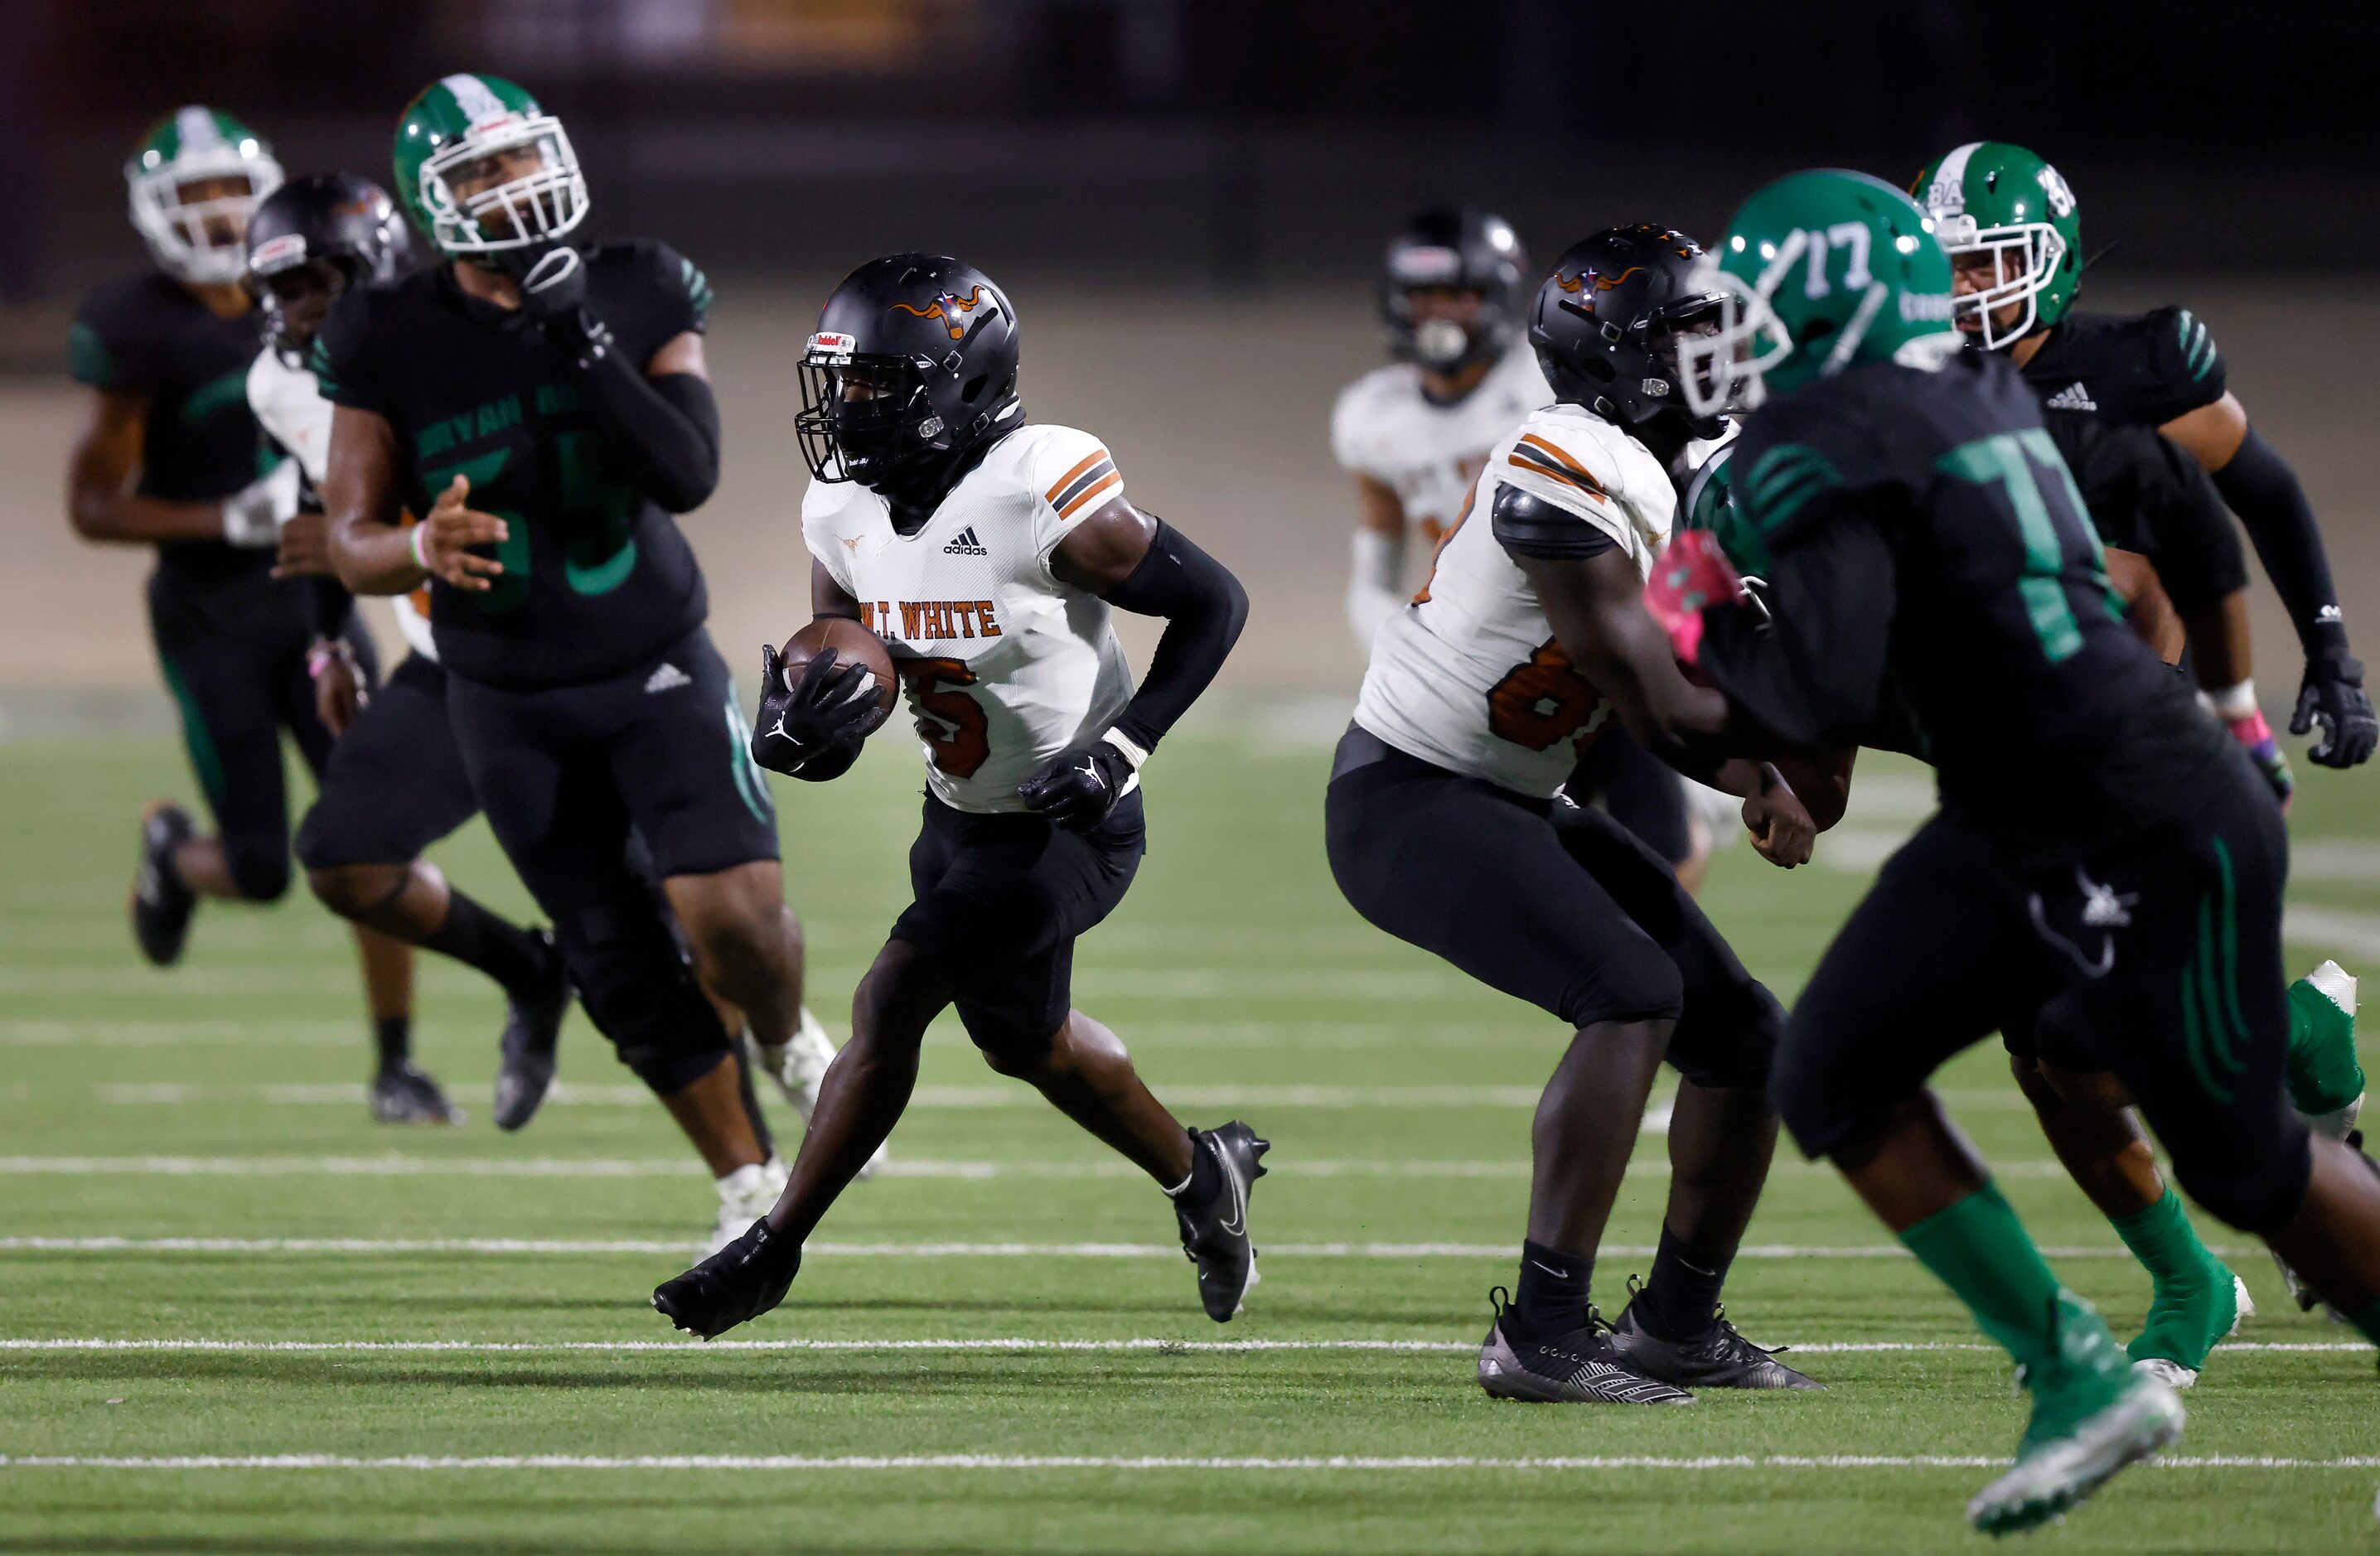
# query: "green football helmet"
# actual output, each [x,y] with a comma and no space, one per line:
[203,241]
[1819,271]
[483,170]
[1990,197]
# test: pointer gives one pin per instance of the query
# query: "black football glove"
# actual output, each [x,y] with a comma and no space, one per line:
[831,708]
[553,296]
[1077,788]
[734,1285]
[2333,698]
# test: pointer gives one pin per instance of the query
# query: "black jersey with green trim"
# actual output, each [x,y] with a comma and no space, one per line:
[1925,544]
[598,579]
[155,337]
[2139,369]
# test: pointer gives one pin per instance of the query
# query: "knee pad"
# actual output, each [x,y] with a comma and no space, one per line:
[641,995]
[2258,1196]
[1646,988]
[258,864]
[1733,1048]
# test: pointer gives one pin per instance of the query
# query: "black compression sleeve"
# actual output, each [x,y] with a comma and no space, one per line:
[2263,491]
[1204,606]
[667,428]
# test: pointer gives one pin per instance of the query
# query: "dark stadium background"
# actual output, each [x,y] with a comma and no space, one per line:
[1189,197]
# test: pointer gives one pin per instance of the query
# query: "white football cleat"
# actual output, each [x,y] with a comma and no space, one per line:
[744,1195]
[799,1066]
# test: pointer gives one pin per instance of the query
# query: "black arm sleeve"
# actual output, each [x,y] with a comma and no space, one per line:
[2264,492]
[1204,606]
[667,428]
[1528,526]
[1814,673]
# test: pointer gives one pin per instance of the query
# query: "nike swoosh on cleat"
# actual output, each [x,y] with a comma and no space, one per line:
[1237,1222]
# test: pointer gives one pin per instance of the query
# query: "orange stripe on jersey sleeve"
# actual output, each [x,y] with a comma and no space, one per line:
[1089,459]
[1113,477]
[1566,473]
[1559,457]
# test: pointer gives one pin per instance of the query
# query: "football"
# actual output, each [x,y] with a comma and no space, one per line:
[846,639]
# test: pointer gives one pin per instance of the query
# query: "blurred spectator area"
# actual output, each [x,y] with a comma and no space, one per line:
[1228,143]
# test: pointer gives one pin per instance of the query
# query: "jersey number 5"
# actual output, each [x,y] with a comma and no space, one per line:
[1542,701]
[952,724]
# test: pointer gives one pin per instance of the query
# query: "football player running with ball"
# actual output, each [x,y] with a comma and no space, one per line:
[2106,863]
[2014,231]
[394,783]
[545,407]
[1449,827]
[988,552]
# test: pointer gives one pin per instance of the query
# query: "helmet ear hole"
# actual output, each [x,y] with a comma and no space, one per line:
[974,387]
[1598,369]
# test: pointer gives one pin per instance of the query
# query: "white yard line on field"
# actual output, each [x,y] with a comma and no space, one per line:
[990,1344]
[970,1098]
[1829,1463]
[507,1246]
[396,1166]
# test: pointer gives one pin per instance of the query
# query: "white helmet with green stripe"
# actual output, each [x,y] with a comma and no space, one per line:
[483,170]
[193,180]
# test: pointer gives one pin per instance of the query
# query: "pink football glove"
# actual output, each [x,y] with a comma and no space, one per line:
[1693,573]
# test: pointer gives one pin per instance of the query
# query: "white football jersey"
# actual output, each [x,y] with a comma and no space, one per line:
[1003,665]
[1384,426]
[290,406]
[1469,675]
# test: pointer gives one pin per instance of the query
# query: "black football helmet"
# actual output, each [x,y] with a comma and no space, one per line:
[1607,320]
[912,368]
[313,238]
[1464,250]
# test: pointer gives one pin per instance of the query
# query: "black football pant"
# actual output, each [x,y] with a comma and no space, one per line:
[566,773]
[233,651]
[2156,958]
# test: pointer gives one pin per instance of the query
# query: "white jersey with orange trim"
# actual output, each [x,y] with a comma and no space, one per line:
[1003,665]
[1469,675]
[1386,428]
[289,405]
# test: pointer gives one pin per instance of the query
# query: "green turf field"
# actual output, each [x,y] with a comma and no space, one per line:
[997,1346]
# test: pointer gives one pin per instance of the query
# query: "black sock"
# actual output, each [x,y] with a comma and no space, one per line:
[1551,1294]
[1681,1299]
[502,950]
[394,1036]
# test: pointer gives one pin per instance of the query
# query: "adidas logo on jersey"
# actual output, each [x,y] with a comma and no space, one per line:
[668,677]
[2073,397]
[965,544]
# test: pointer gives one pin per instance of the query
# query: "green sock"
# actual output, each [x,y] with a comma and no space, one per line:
[2192,1286]
[2324,1075]
[1979,1249]
[2368,1321]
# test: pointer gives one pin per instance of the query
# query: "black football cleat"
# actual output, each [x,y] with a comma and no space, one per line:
[532,1025]
[1580,1368]
[1720,1358]
[161,904]
[1215,1236]
[734,1285]
[403,1094]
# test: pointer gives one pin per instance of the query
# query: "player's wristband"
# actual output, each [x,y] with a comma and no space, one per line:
[415,543]
[320,657]
[1122,742]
